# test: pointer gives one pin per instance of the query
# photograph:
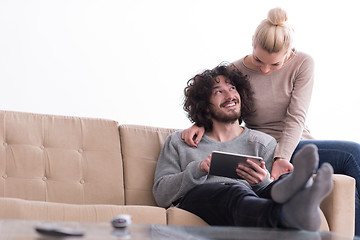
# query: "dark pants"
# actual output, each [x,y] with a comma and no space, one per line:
[232,205]
[344,157]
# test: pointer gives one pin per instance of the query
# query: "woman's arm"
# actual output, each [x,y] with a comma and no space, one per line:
[294,122]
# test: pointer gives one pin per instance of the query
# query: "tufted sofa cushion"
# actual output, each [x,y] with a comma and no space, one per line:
[60,159]
[141,146]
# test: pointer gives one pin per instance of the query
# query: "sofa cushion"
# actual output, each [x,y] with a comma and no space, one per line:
[13,208]
[178,216]
[60,159]
[141,146]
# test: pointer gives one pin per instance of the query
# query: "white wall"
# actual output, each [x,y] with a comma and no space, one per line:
[129,60]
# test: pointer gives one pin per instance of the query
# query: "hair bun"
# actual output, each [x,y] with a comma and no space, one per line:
[277,17]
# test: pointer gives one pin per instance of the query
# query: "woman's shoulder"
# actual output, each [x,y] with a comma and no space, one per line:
[300,62]
[303,57]
[240,64]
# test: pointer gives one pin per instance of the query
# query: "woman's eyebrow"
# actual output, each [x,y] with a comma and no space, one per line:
[257,59]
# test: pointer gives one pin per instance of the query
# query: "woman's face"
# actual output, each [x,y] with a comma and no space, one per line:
[266,63]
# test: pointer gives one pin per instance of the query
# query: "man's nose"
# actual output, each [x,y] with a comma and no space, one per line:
[229,96]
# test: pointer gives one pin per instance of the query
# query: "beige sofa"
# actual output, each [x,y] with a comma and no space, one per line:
[62,168]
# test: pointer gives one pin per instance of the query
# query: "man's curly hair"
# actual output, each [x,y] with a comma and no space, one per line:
[199,89]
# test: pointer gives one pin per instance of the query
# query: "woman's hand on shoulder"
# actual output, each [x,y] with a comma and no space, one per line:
[189,135]
[280,167]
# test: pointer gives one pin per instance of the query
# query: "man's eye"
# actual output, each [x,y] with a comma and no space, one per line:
[218,92]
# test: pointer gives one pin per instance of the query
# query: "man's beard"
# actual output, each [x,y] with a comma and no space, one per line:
[220,116]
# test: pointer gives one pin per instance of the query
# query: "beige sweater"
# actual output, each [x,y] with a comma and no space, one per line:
[282,100]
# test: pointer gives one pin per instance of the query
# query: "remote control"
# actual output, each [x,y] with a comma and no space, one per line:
[52,229]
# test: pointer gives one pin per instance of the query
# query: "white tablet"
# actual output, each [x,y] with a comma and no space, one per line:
[224,163]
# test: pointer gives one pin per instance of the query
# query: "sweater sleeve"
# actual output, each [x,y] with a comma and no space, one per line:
[296,112]
[172,178]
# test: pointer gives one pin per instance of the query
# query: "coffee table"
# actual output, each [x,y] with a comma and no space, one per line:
[23,229]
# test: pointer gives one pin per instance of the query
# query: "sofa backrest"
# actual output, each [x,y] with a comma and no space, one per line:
[60,159]
[140,147]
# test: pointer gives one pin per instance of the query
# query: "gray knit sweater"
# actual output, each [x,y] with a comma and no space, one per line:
[178,168]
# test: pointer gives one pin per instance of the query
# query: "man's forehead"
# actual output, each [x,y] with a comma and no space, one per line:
[221,78]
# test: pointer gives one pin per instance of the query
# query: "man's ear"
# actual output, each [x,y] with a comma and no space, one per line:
[208,108]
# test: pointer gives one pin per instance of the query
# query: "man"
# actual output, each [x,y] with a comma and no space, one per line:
[219,99]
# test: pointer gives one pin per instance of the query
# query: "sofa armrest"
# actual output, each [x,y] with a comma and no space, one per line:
[339,206]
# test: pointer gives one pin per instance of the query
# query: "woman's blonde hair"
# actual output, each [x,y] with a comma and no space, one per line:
[274,34]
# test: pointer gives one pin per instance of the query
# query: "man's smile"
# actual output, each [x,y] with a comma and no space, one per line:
[229,104]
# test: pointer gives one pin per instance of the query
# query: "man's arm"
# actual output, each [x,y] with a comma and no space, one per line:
[174,176]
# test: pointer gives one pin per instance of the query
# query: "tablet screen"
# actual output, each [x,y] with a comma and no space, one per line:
[224,163]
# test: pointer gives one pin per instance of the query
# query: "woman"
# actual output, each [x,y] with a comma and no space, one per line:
[282,80]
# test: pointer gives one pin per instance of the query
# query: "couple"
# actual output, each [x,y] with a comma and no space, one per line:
[282,79]
[219,100]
